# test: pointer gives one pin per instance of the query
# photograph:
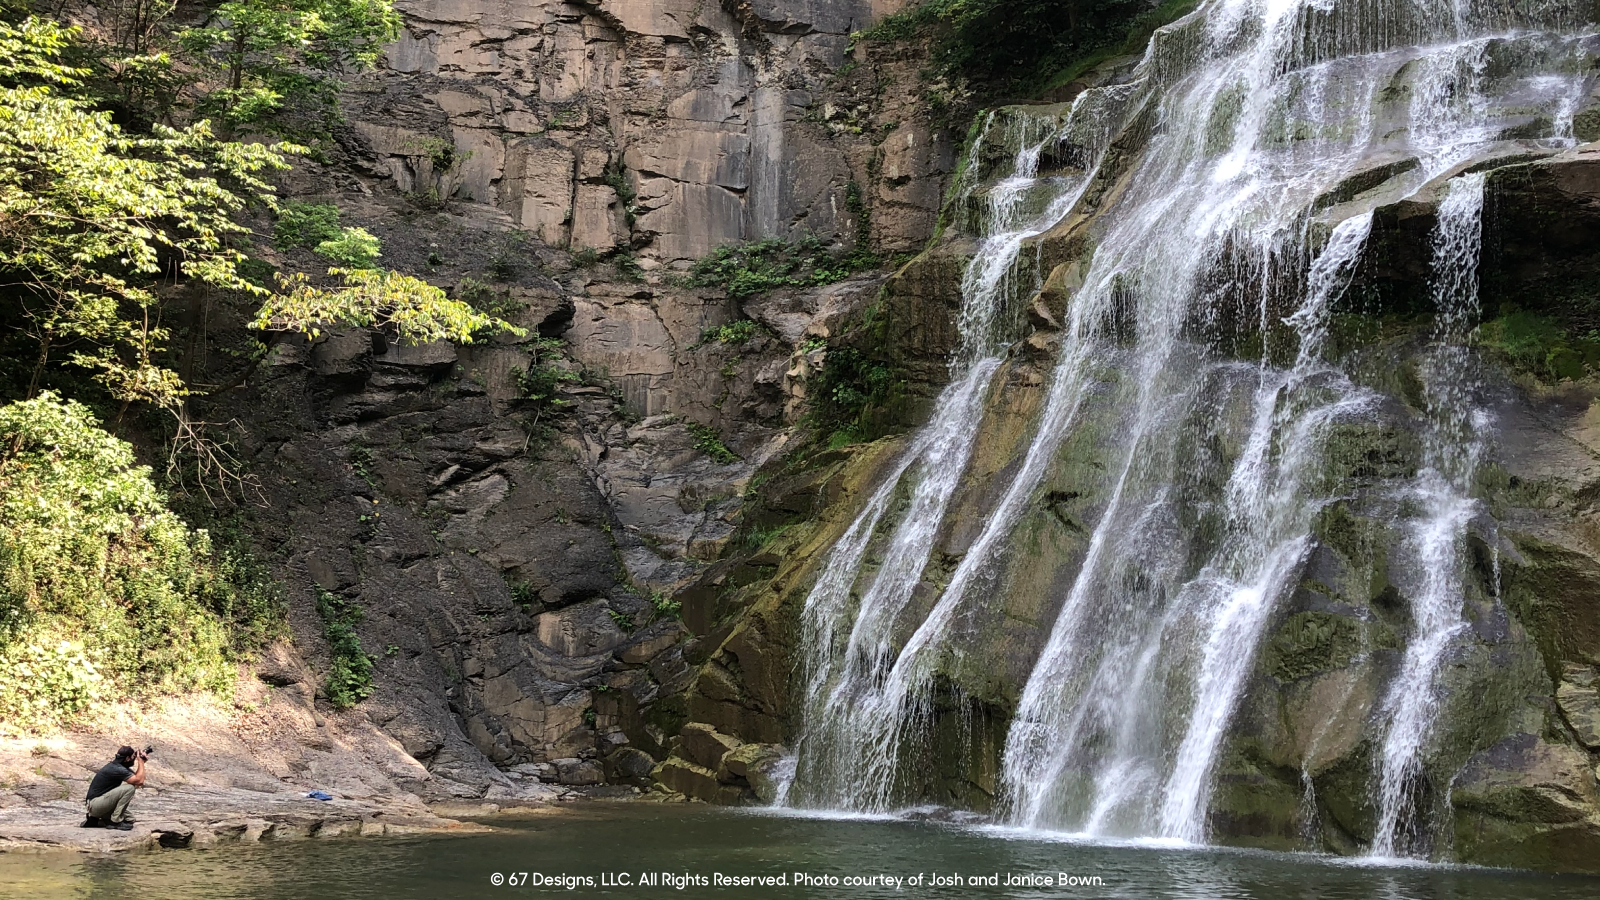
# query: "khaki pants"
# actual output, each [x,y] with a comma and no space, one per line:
[113,804]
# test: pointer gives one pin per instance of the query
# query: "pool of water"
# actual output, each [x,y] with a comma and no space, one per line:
[645,851]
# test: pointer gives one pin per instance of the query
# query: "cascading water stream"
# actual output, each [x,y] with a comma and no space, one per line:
[1237,216]
[1090,747]
[1451,447]
[853,715]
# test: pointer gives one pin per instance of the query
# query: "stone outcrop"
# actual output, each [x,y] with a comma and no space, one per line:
[667,126]
[713,767]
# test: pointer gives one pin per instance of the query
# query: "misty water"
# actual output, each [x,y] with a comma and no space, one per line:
[592,840]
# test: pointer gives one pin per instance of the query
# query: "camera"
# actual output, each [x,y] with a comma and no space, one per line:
[147,751]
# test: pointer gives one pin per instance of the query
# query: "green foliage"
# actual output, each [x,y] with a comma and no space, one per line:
[850,385]
[490,301]
[416,311]
[505,260]
[744,270]
[757,538]
[623,620]
[1538,345]
[104,591]
[1023,46]
[276,56]
[707,441]
[523,594]
[352,248]
[626,195]
[349,678]
[735,333]
[542,379]
[305,225]
[666,606]
[94,218]
[436,150]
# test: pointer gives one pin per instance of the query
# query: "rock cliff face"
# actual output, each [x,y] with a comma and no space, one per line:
[567,161]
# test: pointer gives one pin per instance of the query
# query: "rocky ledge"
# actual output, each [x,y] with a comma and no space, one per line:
[204,816]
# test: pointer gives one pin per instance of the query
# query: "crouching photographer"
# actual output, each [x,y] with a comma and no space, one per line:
[112,789]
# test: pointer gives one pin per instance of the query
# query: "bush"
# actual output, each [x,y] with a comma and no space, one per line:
[744,270]
[735,333]
[352,248]
[1538,345]
[707,441]
[848,388]
[540,381]
[104,591]
[349,678]
[305,225]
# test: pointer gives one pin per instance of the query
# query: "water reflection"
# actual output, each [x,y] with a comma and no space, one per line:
[602,841]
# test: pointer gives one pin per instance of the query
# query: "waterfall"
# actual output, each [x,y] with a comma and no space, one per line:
[854,713]
[1443,489]
[1254,118]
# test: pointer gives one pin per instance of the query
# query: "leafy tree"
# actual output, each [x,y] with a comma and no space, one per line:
[355,248]
[94,218]
[98,226]
[305,225]
[414,310]
[273,50]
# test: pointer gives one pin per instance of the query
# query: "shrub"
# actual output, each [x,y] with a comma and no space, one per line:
[736,333]
[489,300]
[349,678]
[104,591]
[545,374]
[707,441]
[1538,345]
[666,606]
[352,248]
[847,389]
[305,225]
[744,270]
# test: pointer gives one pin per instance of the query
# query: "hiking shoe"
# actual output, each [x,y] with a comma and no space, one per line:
[92,822]
[121,826]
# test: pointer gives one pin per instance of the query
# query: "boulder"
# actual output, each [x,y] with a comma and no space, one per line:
[629,765]
[696,782]
[754,764]
[579,772]
[1580,703]
[706,746]
[1528,803]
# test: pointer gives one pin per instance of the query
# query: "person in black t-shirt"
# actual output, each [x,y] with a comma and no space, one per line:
[111,790]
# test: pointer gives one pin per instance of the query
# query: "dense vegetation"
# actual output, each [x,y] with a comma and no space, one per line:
[124,213]
[103,590]
[349,678]
[755,267]
[1024,47]
[851,388]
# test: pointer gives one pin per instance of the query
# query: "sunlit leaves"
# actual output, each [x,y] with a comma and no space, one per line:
[415,311]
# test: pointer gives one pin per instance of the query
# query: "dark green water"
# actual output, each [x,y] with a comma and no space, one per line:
[592,840]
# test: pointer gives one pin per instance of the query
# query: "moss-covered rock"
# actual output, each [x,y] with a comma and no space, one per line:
[1528,803]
